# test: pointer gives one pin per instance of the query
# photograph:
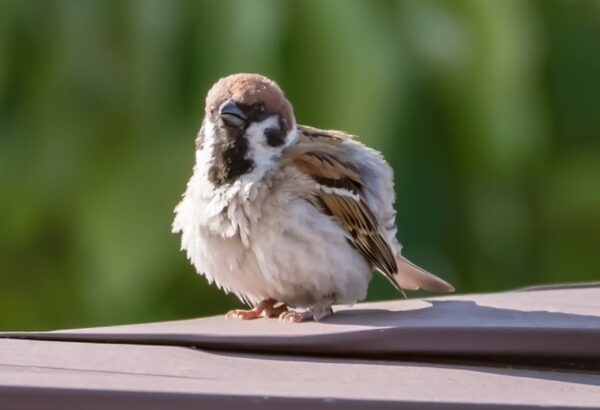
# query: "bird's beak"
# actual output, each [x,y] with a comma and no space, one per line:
[232,115]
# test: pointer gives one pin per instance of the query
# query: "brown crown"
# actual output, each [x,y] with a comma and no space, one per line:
[251,89]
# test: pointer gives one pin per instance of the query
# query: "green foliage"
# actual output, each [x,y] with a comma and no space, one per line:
[489,112]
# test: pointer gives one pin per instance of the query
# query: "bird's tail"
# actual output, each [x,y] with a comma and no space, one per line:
[411,277]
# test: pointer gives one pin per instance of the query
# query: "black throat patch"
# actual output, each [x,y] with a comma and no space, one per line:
[229,156]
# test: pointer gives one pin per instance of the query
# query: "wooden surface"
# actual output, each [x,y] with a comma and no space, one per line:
[529,349]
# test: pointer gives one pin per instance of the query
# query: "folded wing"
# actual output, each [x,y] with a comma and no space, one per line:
[341,192]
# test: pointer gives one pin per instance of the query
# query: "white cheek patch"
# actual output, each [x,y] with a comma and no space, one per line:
[291,136]
[263,155]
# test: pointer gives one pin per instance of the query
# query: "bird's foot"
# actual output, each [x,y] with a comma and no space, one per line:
[316,312]
[267,308]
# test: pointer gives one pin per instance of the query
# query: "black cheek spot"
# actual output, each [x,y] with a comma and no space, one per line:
[275,137]
[229,157]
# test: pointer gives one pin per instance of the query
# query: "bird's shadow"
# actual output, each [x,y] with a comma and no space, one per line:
[460,313]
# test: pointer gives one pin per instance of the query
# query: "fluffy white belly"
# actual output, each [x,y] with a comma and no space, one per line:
[304,256]
[291,253]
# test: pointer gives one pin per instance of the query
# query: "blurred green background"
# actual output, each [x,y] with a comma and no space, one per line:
[489,112]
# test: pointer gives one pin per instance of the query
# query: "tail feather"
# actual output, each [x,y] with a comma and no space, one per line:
[411,277]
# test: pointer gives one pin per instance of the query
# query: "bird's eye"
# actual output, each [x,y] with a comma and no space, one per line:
[275,137]
[259,108]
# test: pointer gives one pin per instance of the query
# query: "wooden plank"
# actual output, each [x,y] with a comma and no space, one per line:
[69,375]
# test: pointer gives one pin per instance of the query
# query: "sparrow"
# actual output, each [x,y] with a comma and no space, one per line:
[291,219]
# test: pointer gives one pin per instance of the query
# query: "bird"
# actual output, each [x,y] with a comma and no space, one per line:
[290,218]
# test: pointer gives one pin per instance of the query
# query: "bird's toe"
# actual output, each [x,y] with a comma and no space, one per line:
[240,314]
[295,316]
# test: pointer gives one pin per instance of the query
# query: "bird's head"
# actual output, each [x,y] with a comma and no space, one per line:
[247,124]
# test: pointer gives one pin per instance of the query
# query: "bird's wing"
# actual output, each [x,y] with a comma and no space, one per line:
[340,192]
[354,184]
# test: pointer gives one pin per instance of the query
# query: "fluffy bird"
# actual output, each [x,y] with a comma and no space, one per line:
[292,219]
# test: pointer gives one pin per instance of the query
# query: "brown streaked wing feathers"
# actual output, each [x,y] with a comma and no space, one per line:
[308,134]
[318,155]
[356,218]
